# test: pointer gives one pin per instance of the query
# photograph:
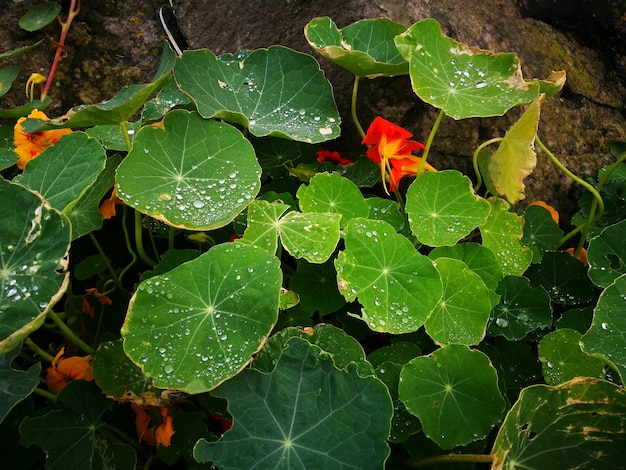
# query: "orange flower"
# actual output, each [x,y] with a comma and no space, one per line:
[391,148]
[582,256]
[107,208]
[553,212]
[72,368]
[154,435]
[29,146]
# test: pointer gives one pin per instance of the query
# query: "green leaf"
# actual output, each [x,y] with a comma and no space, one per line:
[111,136]
[275,91]
[605,338]
[330,192]
[33,248]
[541,232]
[19,50]
[522,309]
[16,384]
[39,16]
[443,208]
[515,158]
[316,284]
[263,224]
[579,424]
[7,76]
[454,392]
[387,210]
[397,286]
[501,233]
[562,359]
[24,110]
[64,171]
[460,80]
[199,324]
[606,255]
[274,152]
[312,236]
[365,48]
[462,314]
[280,421]
[198,183]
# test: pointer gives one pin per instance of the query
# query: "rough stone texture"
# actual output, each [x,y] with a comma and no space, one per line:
[113,43]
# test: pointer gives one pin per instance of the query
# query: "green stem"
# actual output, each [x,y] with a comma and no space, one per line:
[128,244]
[171,233]
[44,393]
[355,119]
[106,260]
[129,144]
[450,458]
[67,331]
[35,347]
[479,179]
[139,240]
[429,142]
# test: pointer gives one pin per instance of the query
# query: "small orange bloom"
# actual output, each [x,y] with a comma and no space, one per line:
[582,256]
[72,368]
[154,435]
[107,208]
[87,308]
[553,212]
[29,146]
[391,148]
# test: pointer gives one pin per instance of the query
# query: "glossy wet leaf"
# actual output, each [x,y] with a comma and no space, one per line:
[454,392]
[344,349]
[198,183]
[397,286]
[199,324]
[316,284]
[462,81]
[541,232]
[365,48]
[387,210]
[7,76]
[578,319]
[281,421]
[39,16]
[16,384]
[563,277]
[521,309]
[606,255]
[275,91]
[501,233]
[33,248]
[312,236]
[330,192]
[562,359]
[606,338]
[443,208]
[78,421]
[64,171]
[515,158]
[462,314]
[578,424]
[263,226]
[274,152]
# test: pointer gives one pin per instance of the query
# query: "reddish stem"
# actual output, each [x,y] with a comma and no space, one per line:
[65,27]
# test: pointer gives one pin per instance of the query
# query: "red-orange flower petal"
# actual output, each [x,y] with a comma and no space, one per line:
[331,156]
[71,368]
[405,167]
[165,431]
[107,208]
[30,145]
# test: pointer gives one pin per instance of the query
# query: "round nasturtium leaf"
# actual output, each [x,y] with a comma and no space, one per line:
[443,208]
[606,255]
[460,80]
[365,48]
[39,16]
[275,91]
[462,314]
[578,424]
[454,392]
[541,232]
[306,413]
[397,286]
[199,324]
[33,248]
[262,224]
[316,284]
[190,172]
[562,359]
[311,235]
[606,338]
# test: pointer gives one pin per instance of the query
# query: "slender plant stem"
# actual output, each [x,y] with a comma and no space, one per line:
[450,458]
[479,179]
[139,240]
[106,260]
[429,142]
[67,331]
[128,244]
[355,119]
[171,233]
[35,347]
[129,144]
[44,393]
[65,27]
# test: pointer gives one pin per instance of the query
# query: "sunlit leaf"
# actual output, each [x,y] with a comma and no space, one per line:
[198,183]
[275,91]
[200,323]
[515,158]
[579,424]
[454,392]
[366,48]
[443,208]
[312,236]
[387,210]
[263,227]
[463,81]
[280,420]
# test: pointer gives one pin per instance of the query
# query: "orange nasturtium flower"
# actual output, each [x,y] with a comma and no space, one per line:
[391,148]
[154,435]
[71,368]
[29,146]
[107,208]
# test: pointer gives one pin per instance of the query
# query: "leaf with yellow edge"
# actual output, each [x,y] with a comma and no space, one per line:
[515,159]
